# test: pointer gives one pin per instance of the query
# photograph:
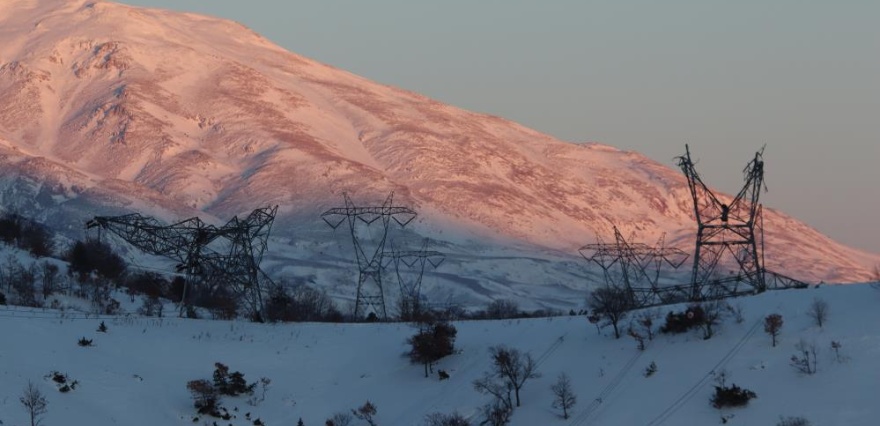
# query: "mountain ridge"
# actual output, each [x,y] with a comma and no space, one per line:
[176,114]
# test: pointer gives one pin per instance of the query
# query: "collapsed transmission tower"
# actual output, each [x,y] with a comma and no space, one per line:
[636,267]
[729,234]
[225,258]
[369,253]
[415,263]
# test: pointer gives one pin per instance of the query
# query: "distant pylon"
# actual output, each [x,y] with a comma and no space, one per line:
[414,263]
[636,268]
[369,258]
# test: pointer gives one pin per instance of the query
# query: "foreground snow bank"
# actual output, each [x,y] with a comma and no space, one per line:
[136,373]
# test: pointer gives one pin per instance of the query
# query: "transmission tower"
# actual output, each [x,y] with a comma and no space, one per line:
[369,256]
[636,267]
[414,264]
[211,257]
[728,234]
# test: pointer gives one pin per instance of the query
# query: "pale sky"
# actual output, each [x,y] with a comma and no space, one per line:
[727,77]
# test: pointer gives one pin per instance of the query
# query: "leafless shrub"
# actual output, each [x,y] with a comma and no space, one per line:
[712,313]
[339,419]
[34,402]
[366,413]
[503,309]
[611,303]
[736,310]
[818,311]
[640,340]
[440,419]
[563,396]
[793,421]
[805,359]
[646,320]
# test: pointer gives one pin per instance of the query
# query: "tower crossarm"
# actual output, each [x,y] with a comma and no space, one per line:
[174,241]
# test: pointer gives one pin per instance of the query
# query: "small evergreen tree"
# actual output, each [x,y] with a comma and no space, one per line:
[680,322]
[651,369]
[232,384]
[731,396]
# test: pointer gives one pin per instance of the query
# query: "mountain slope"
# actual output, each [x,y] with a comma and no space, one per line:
[106,108]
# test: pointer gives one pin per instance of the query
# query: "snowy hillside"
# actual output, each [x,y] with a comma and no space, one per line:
[109,109]
[136,373]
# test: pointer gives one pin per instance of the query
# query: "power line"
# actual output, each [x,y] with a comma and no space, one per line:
[687,395]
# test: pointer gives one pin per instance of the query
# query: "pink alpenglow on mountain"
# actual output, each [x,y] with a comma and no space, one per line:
[109,109]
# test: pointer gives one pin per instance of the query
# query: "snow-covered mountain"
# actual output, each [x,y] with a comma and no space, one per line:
[106,108]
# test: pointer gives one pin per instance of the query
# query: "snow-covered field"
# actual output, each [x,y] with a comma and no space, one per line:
[136,372]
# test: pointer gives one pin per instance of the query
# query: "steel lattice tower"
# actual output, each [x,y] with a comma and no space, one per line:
[638,268]
[728,234]
[414,262]
[211,257]
[369,258]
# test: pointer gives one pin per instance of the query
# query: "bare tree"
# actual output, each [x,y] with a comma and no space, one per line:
[435,340]
[805,360]
[737,311]
[611,303]
[339,419]
[502,309]
[513,368]
[366,413]
[500,390]
[440,419]
[772,325]
[564,397]
[49,274]
[818,311]
[712,313]
[645,320]
[410,308]
[34,402]
[640,340]
[497,413]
